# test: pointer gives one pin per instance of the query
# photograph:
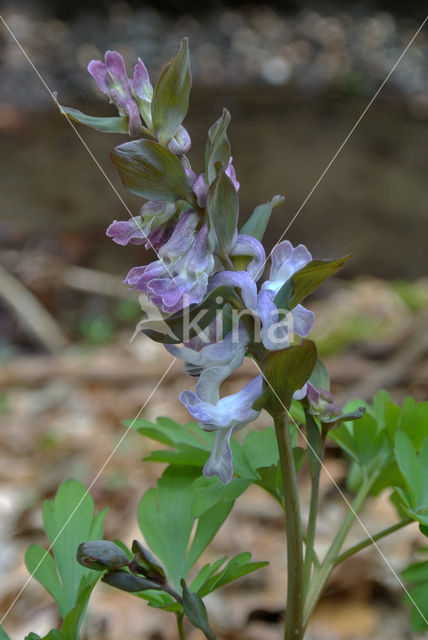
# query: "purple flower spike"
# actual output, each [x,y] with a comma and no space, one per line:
[124,231]
[113,81]
[230,171]
[180,277]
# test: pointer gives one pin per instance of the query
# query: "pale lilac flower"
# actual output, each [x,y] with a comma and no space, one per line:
[181,142]
[230,172]
[124,231]
[200,189]
[248,246]
[223,415]
[286,260]
[321,403]
[180,277]
[143,92]
[113,81]
[199,355]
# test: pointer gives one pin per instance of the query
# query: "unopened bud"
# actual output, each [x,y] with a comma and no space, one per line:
[101,554]
[144,563]
[128,582]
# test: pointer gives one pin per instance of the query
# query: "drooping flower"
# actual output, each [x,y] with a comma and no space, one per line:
[224,415]
[180,276]
[286,260]
[150,227]
[199,356]
[113,81]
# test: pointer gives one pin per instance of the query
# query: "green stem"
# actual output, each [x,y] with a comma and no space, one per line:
[310,534]
[321,576]
[294,611]
[180,626]
[368,541]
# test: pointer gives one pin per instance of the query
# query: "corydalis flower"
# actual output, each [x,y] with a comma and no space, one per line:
[149,228]
[129,98]
[277,326]
[180,276]
[223,415]
[199,356]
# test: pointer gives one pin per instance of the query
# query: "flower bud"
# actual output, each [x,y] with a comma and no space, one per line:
[145,564]
[181,142]
[128,582]
[101,555]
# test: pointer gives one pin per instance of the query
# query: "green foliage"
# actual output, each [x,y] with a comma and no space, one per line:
[218,147]
[195,610]
[171,95]
[3,634]
[308,279]
[211,577]
[68,519]
[166,521]
[417,597]
[258,221]
[286,371]
[392,443]
[150,170]
[222,212]
[117,124]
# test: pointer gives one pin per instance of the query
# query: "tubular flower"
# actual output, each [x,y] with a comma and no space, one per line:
[199,356]
[112,80]
[142,91]
[223,415]
[180,277]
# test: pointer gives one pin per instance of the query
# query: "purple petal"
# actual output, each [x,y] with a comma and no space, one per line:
[274,333]
[303,320]
[220,461]
[124,231]
[240,279]
[230,171]
[286,260]
[200,189]
[181,142]
[141,84]
[116,67]
[249,246]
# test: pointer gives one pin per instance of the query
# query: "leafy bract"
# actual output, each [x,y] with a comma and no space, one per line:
[195,610]
[286,371]
[218,147]
[222,210]
[116,124]
[306,280]
[258,221]
[150,170]
[171,95]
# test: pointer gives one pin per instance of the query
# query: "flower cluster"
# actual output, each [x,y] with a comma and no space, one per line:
[191,221]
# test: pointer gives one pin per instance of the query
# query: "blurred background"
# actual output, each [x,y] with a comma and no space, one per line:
[296,77]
